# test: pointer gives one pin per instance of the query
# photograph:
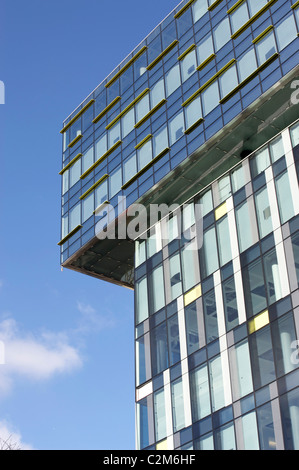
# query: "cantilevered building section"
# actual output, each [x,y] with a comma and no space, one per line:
[203,113]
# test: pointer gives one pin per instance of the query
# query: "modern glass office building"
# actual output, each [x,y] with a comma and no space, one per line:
[202,114]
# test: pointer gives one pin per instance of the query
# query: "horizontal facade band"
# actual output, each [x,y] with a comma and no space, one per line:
[71,163]
[126,66]
[214,5]
[183,9]
[149,114]
[69,235]
[249,78]
[143,141]
[263,34]
[77,116]
[253,19]
[127,108]
[296,4]
[196,124]
[186,52]
[235,6]
[75,140]
[143,170]
[100,207]
[102,113]
[93,187]
[163,53]
[105,155]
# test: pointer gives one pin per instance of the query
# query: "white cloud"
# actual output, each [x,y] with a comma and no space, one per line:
[34,357]
[91,320]
[11,438]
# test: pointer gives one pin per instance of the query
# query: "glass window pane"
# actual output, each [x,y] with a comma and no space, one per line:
[286,32]
[140,66]
[126,79]
[160,141]
[242,378]
[208,253]
[225,253]
[75,173]
[222,34]
[160,415]
[230,304]
[289,407]
[266,427]
[216,384]
[238,178]
[204,443]
[255,5]
[141,300]
[205,49]
[188,65]
[250,435]
[200,393]
[64,226]
[284,197]
[128,122]
[142,412]
[210,315]
[140,253]
[294,130]
[263,212]
[276,149]
[262,357]
[142,107]
[169,35]
[244,229]
[200,7]
[207,202]
[193,112]
[284,338]
[191,320]
[173,80]
[265,48]
[222,190]
[65,182]
[228,81]
[75,129]
[88,206]
[210,98]
[101,193]
[115,182]
[178,413]
[75,217]
[272,276]
[114,134]
[295,246]
[157,93]
[190,268]
[101,146]
[159,349]
[157,289]
[259,162]
[173,340]
[175,276]
[176,128]
[87,159]
[254,288]
[247,64]
[144,154]
[239,17]
[143,372]
[130,167]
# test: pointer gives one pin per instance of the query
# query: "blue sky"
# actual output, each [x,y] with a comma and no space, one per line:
[68,380]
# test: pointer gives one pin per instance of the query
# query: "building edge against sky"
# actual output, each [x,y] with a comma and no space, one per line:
[204,110]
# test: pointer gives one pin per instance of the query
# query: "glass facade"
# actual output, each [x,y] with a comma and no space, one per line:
[204,110]
[224,331]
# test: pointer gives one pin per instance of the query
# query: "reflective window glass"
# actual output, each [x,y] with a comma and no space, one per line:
[101,146]
[295,133]
[250,434]
[254,288]
[157,289]
[262,357]
[173,80]
[247,64]
[210,98]
[207,202]
[239,17]
[176,128]
[191,320]
[263,212]
[208,254]
[289,407]
[87,159]
[101,193]
[190,268]
[272,276]
[127,122]
[286,31]
[259,162]
[75,172]
[178,412]
[65,181]
[75,129]
[276,149]
[115,182]
[255,6]
[126,79]
[295,246]
[160,141]
[114,134]
[228,81]
[284,339]
[200,393]
[157,93]
[188,65]
[143,412]
[74,217]
[200,7]
[230,304]
[205,48]
[242,378]
[216,383]
[222,34]
[225,253]
[140,253]
[143,372]
[173,340]
[245,223]
[87,207]
[160,415]
[64,226]
[144,154]
[142,107]
[141,299]
[130,167]
[238,178]
[175,276]
[193,112]
[265,48]
[284,197]
[140,66]
[266,427]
